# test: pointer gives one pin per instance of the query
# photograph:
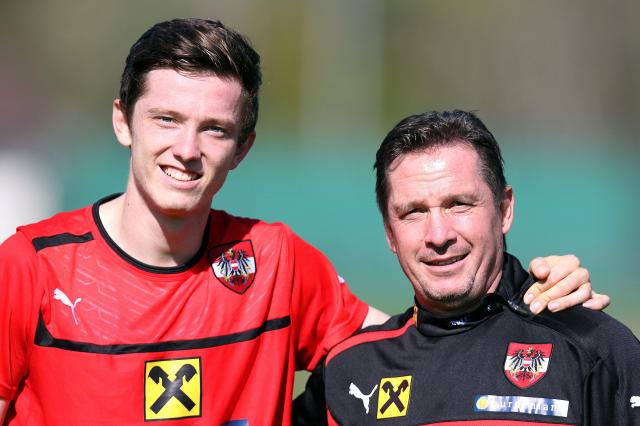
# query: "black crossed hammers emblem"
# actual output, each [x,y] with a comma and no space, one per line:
[394,395]
[172,387]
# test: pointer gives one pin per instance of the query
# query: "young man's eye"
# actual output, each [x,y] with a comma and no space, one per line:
[163,119]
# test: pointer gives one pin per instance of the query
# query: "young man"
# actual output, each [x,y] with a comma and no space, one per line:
[468,352]
[150,306]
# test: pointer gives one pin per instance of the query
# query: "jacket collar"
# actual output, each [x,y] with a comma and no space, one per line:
[513,284]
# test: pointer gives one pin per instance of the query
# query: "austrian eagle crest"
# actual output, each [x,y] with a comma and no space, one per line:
[234,265]
[526,364]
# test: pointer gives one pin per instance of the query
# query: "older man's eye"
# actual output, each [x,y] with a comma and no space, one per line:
[459,207]
[412,213]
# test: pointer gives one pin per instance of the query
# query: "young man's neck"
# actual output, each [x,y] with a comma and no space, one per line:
[152,238]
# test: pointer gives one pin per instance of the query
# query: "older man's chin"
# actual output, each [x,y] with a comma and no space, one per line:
[447,303]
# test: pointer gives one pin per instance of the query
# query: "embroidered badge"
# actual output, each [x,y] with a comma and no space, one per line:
[172,389]
[526,364]
[357,393]
[393,397]
[234,265]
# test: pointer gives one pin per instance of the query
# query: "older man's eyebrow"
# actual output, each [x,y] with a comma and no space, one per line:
[409,206]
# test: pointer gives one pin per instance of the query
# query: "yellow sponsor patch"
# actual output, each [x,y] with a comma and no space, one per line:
[393,397]
[172,389]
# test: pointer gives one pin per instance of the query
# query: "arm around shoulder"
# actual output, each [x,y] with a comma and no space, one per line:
[562,283]
[374,317]
[3,409]
[324,311]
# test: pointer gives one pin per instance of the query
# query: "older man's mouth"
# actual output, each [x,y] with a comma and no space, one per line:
[445,261]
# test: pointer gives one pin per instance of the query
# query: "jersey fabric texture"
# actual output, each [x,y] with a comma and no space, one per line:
[90,336]
[497,365]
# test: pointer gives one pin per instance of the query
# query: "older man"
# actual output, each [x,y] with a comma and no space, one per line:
[467,352]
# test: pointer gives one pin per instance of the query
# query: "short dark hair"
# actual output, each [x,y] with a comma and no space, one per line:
[194,46]
[437,128]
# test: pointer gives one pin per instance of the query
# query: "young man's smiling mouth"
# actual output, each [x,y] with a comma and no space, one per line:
[181,175]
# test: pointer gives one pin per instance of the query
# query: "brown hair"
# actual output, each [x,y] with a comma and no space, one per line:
[438,128]
[194,46]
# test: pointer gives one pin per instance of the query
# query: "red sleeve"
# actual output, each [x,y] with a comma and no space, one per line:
[18,311]
[324,311]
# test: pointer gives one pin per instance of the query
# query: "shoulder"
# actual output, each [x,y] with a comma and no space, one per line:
[71,222]
[598,334]
[239,225]
[394,328]
[58,229]
[270,236]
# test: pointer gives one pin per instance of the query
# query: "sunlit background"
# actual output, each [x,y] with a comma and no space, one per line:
[557,82]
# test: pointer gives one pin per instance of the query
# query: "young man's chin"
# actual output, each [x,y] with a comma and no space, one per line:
[181,207]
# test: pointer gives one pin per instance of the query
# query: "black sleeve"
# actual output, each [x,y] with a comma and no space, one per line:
[310,407]
[612,391]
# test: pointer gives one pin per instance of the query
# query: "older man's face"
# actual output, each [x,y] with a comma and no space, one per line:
[445,227]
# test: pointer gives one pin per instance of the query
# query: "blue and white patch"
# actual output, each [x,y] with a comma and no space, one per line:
[521,404]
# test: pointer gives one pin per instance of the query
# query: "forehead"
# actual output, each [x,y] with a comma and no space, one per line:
[439,170]
[175,89]
[454,159]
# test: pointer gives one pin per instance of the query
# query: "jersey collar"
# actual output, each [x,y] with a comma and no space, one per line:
[513,284]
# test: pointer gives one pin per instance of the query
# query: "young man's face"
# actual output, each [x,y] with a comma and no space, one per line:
[445,227]
[183,136]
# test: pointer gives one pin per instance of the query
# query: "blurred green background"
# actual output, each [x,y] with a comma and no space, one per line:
[557,82]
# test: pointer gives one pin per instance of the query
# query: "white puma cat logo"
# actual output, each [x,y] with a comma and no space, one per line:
[353,390]
[59,295]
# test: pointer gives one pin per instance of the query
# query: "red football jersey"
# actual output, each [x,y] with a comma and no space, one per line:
[90,336]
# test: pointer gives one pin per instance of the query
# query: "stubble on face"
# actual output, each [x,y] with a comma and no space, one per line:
[444,227]
[452,300]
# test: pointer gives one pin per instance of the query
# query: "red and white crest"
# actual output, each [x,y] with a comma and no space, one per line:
[526,363]
[234,265]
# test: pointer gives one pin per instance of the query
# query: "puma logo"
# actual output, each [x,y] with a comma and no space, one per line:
[635,401]
[353,390]
[59,295]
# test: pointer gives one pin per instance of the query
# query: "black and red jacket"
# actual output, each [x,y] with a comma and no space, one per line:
[496,365]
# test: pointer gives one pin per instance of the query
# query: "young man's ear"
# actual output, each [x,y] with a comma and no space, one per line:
[506,209]
[121,124]
[243,149]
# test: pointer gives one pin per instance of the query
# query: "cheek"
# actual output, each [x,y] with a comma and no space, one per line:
[478,227]
[408,239]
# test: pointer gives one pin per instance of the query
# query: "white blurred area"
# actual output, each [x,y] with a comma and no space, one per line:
[29,192]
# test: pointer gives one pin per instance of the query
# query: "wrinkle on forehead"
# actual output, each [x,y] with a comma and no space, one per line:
[435,175]
[435,165]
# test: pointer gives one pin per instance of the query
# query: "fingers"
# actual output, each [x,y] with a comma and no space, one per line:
[562,289]
[553,269]
[535,298]
[597,302]
[562,283]
[579,296]
[540,268]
